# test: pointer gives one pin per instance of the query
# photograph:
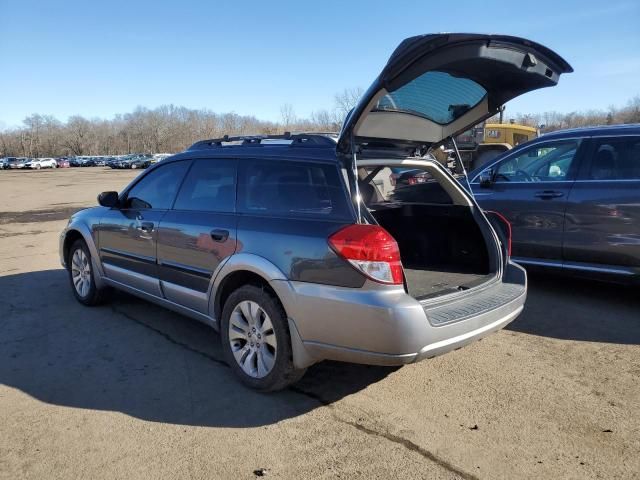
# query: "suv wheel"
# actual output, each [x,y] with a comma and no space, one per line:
[81,275]
[255,340]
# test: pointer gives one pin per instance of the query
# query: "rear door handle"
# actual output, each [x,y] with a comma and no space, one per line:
[549,194]
[146,227]
[219,235]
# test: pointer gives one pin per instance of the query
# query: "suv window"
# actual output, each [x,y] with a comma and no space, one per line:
[290,188]
[210,186]
[158,188]
[616,159]
[544,162]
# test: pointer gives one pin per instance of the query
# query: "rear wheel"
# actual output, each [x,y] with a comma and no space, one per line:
[82,276]
[256,341]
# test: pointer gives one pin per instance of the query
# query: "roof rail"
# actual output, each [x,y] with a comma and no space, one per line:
[288,139]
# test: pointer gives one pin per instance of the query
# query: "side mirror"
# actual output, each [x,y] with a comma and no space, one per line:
[108,199]
[486,179]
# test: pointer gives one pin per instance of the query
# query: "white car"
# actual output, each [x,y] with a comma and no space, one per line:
[158,157]
[38,163]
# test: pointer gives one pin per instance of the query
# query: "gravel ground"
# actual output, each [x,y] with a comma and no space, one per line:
[129,390]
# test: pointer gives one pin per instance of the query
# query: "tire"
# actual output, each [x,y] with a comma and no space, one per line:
[259,349]
[485,157]
[38,167]
[83,285]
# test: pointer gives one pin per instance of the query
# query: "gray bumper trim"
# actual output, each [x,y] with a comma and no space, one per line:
[490,299]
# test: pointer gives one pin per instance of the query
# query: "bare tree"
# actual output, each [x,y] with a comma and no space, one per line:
[346,100]
[287,116]
[77,135]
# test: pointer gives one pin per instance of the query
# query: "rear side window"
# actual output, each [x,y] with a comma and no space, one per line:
[158,188]
[291,188]
[616,159]
[210,186]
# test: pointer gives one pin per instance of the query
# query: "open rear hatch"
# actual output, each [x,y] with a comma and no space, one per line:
[436,86]
[432,88]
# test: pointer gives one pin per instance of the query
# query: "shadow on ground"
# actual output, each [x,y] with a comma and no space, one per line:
[132,357]
[138,359]
[559,306]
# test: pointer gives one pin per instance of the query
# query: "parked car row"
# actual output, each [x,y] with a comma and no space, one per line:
[29,163]
[132,161]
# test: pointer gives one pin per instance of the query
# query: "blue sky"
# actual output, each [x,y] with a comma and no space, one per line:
[101,58]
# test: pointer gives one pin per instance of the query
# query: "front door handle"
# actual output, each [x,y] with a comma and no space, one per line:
[219,235]
[146,227]
[549,194]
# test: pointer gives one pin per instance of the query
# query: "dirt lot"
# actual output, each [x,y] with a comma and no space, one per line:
[129,390]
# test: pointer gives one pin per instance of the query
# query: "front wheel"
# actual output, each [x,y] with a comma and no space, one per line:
[82,276]
[256,341]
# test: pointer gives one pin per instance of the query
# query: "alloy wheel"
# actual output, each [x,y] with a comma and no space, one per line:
[252,339]
[81,272]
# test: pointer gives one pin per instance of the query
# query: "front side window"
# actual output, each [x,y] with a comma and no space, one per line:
[544,162]
[158,188]
[290,188]
[616,159]
[437,96]
[210,186]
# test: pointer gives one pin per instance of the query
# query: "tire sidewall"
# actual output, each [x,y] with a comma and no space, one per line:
[283,363]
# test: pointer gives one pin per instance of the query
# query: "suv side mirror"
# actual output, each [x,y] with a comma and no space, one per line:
[108,199]
[486,179]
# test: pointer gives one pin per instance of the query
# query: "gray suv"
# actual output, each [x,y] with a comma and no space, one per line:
[288,246]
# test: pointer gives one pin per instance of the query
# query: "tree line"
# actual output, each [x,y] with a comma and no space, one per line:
[170,128]
[551,121]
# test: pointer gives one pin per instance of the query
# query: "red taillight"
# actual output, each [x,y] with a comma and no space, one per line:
[506,227]
[371,249]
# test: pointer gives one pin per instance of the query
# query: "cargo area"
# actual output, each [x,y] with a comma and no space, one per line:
[442,247]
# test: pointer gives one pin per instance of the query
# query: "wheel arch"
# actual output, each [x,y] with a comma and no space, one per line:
[243,269]
[76,232]
[240,269]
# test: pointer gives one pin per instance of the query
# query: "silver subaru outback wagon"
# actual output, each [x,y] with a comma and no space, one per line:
[296,248]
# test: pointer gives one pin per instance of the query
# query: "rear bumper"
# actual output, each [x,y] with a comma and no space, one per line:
[382,326]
